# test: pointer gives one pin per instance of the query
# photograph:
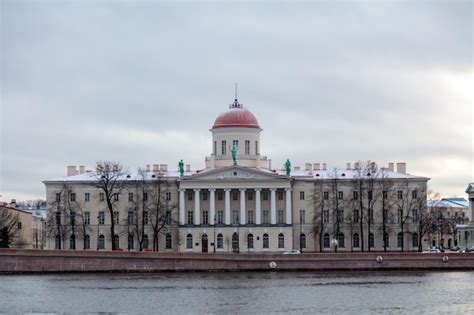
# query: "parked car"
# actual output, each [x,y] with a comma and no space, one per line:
[469,250]
[455,249]
[432,250]
[292,252]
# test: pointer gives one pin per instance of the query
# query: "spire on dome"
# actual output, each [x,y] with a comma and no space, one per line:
[236,103]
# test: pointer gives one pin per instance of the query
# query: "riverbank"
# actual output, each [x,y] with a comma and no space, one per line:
[54,261]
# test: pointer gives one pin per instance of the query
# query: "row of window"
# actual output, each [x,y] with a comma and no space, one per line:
[235,241]
[115,197]
[356,240]
[355,216]
[132,217]
[101,242]
[236,195]
[235,219]
[235,143]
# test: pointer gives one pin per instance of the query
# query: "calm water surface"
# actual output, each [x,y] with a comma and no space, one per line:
[263,292]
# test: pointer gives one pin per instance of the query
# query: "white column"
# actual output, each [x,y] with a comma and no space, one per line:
[273,216]
[227,207]
[242,207]
[258,211]
[212,206]
[288,205]
[197,207]
[181,207]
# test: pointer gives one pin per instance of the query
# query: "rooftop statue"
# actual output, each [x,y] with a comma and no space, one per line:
[288,167]
[234,154]
[181,168]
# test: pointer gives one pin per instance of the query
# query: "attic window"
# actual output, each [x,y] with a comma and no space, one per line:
[153,176]
[103,176]
[343,175]
[317,174]
[128,176]
[368,174]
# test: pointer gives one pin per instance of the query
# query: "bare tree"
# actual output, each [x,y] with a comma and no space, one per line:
[8,226]
[109,180]
[337,213]
[319,203]
[387,202]
[373,194]
[138,196]
[359,189]
[423,218]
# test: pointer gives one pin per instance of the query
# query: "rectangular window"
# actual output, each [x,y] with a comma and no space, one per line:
[340,215]
[101,197]
[399,215]
[340,195]
[145,196]
[326,195]
[264,195]
[256,148]
[101,217]
[116,217]
[400,194]
[58,197]
[355,195]
[130,196]
[385,195]
[250,219]
[414,194]
[19,226]
[369,194]
[355,216]
[235,216]
[235,143]
[371,216]
[145,217]
[224,147]
[250,195]
[215,148]
[280,216]
[280,195]
[385,215]
[326,216]
[58,218]
[414,215]
[87,218]
[204,195]
[235,195]
[265,218]
[247,147]
[130,218]
[116,197]
[220,217]
[190,217]
[72,216]
[72,197]
[301,195]
[168,217]
[220,195]
[190,195]
[87,197]
[302,217]
[168,196]
[205,217]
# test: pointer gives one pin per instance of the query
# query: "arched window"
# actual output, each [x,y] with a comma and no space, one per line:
[281,240]
[400,239]
[250,241]
[87,242]
[101,244]
[117,241]
[371,240]
[386,239]
[235,241]
[130,242]
[327,241]
[189,241]
[414,240]
[220,241]
[302,240]
[355,241]
[57,242]
[265,241]
[340,241]
[72,242]
[168,241]
[145,241]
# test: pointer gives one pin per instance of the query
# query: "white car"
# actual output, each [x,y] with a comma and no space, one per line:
[432,250]
[292,252]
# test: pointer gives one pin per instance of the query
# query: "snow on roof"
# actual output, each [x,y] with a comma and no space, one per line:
[448,203]
[349,174]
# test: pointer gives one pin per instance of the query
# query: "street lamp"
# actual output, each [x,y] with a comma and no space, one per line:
[301,233]
[98,217]
[238,236]
[215,233]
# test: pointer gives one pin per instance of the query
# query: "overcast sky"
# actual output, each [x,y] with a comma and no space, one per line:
[142,83]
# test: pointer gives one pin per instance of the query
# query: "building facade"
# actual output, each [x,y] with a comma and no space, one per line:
[466,231]
[240,203]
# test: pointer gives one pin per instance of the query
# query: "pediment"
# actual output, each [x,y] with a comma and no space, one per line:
[236,173]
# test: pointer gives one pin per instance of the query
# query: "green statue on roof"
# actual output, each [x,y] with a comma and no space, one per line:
[288,167]
[181,168]
[234,154]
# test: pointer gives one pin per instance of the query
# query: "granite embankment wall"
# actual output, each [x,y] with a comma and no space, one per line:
[50,261]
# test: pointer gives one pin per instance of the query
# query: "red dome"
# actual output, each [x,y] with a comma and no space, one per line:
[236,117]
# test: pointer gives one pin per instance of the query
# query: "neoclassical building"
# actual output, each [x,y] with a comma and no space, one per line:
[239,202]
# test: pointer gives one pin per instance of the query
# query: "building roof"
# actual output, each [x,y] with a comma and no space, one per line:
[449,203]
[236,117]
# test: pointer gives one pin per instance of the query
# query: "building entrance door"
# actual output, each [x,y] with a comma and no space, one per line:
[204,243]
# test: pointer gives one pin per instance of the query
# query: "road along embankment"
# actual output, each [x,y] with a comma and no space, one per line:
[55,261]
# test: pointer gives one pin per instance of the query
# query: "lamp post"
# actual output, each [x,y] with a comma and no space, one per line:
[214,233]
[301,233]
[98,217]
[238,236]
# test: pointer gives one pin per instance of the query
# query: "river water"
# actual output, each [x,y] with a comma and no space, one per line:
[241,292]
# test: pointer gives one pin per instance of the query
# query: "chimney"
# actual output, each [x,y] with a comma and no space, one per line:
[12,203]
[156,167]
[71,170]
[297,168]
[307,167]
[357,166]
[316,166]
[164,167]
[188,167]
[82,169]
[324,166]
[147,167]
[348,166]
[402,168]
[391,167]
[269,164]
